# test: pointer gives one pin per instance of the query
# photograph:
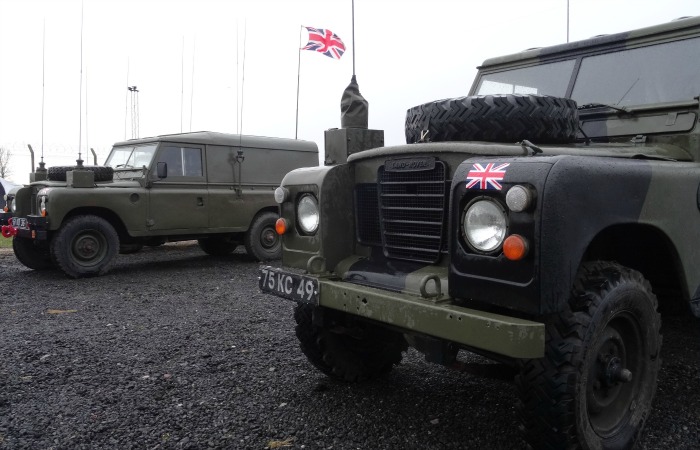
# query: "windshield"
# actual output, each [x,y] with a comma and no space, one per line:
[655,74]
[545,79]
[638,76]
[131,156]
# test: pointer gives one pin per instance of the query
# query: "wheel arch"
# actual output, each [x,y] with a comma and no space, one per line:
[648,250]
[105,213]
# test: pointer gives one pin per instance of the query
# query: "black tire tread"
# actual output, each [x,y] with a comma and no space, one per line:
[339,358]
[494,118]
[551,380]
[102,173]
[252,238]
[61,252]
[31,254]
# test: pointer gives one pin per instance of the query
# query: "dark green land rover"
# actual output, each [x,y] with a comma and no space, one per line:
[213,187]
[543,221]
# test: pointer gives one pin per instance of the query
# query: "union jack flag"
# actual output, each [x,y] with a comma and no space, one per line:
[325,41]
[486,177]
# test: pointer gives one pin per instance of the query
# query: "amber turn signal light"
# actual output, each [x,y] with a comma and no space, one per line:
[281,226]
[515,247]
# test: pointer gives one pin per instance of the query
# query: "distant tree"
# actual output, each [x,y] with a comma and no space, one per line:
[4,162]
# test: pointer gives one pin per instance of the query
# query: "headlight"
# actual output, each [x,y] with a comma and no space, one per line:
[484,225]
[13,204]
[307,214]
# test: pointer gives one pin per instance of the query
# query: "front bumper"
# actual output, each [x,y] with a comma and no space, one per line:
[496,333]
[36,227]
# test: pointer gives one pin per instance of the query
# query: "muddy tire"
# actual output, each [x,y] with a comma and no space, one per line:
[594,387]
[31,253]
[218,245]
[362,351]
[102,173]
[85,246]
[261,240]
[494,118]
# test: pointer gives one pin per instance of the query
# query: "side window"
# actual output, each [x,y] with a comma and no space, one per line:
[182,161]
[192,158]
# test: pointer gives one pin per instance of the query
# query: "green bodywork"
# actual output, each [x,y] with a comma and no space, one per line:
[234,181]
[627,190]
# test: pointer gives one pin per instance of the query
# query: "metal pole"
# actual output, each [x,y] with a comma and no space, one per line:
[43,82]
[80,126]
[353,38]
[567,20]
[296,129]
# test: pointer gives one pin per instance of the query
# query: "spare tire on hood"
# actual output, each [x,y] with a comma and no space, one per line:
[102,173]
[494,118]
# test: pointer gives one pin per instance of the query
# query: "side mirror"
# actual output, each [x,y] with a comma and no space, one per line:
[162,170]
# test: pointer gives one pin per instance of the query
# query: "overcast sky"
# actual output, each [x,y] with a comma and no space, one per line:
[198,63]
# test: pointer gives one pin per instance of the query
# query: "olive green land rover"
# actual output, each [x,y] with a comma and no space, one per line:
[543,221]
[213,187]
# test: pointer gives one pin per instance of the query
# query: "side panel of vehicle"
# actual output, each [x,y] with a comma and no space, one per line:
[242,181]
[129,203]
[180,200]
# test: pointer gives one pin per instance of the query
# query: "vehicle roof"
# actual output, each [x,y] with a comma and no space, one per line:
[216,138]
[675,29]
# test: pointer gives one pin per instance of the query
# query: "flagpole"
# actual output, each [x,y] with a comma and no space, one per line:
[296,129]
[353,38]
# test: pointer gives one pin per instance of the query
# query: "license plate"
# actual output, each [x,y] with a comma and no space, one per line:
[288,285]
[19,222]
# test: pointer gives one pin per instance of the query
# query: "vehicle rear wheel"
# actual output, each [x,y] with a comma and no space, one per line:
[347,349]
[218,245]
[594,387]
[85,246]
[262,241]
[31,253]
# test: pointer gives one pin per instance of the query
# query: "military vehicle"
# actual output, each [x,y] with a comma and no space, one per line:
[214,187]
[543,221]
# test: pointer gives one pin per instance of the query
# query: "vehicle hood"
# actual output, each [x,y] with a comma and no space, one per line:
[613,150]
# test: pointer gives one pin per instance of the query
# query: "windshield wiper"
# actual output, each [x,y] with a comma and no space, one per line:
[604,105]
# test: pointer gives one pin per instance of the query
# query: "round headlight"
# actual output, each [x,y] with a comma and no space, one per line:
[484,224]
[307,214]
[13,204]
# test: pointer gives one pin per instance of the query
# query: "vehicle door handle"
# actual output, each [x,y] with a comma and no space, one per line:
[200,201]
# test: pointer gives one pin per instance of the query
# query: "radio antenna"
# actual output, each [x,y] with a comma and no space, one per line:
[43,84]
[80,121]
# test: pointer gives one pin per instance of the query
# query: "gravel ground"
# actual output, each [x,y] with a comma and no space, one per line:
[176,349]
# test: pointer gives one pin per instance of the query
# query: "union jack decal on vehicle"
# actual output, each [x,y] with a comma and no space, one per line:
[486,177]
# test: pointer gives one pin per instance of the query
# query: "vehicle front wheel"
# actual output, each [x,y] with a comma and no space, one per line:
[262,241]
[85,246]
[347,349]
[31,253]
[595,385]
